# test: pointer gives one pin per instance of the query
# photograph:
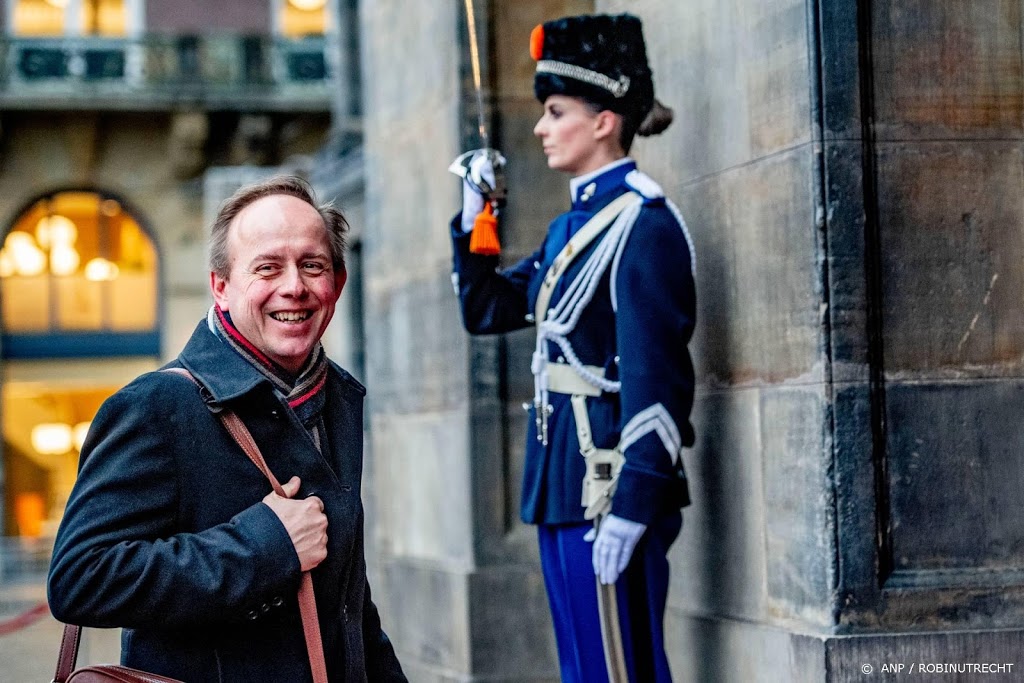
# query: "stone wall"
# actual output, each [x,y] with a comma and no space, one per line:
[848,171]
[460,586]
[201,16]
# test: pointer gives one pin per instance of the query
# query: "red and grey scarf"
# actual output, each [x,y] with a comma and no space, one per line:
[305,392]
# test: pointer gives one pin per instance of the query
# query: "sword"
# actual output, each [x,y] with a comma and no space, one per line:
[474,57]
[611,631]
[461,166]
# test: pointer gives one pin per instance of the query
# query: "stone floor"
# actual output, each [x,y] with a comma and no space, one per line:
[28,654]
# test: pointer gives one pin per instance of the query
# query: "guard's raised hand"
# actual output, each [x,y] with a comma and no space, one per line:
[482,173]
[484,167]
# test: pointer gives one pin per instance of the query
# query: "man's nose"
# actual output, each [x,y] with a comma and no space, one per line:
[293,282]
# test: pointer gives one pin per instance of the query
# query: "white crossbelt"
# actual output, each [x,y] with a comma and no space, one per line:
[563,379]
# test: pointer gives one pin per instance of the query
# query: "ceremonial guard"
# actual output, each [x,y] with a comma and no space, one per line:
[611,293]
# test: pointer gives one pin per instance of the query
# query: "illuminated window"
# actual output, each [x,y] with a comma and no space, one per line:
[57,18]
[39,18]
[40,454]
[78,277]
[303,18]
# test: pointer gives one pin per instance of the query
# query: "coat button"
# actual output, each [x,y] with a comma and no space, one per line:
[252,615]
[276,414]
[277,601]
[264,608]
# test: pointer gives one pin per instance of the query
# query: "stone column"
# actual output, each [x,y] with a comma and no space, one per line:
[851,172]
[458,577]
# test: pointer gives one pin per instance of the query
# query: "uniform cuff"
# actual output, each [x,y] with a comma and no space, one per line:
[642,496]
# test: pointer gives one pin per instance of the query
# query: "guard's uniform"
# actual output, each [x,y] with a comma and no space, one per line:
[627,334]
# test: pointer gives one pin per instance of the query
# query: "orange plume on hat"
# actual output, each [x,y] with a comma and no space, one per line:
[537,42]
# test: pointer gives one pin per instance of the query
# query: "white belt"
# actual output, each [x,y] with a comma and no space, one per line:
[562,379]
[603,465]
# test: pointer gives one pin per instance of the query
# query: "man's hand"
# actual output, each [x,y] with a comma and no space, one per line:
[614,545]
[305,522]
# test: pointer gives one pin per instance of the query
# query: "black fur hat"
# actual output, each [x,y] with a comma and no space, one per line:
[599,57]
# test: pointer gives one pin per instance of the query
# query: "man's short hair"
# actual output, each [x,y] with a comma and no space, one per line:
[334,220]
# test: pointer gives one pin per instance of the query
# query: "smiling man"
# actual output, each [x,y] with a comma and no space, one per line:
[173,534]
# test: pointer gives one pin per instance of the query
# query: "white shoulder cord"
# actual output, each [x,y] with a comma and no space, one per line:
[562,319]
[639,178]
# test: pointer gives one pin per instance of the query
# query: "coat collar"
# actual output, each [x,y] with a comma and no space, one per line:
[222,371]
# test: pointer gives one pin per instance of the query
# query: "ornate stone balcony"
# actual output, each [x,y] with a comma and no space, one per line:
[162,71]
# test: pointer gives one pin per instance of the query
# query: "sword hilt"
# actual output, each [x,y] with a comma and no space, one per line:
[495,193]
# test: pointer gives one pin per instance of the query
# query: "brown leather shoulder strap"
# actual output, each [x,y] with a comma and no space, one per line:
[68,652]
[307,600]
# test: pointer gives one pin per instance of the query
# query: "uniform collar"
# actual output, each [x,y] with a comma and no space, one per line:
[583,189]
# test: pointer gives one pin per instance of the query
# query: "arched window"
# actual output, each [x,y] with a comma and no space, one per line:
[78,278]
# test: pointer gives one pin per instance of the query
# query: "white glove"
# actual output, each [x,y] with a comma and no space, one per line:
[480,174]
[613,546]
[472,204]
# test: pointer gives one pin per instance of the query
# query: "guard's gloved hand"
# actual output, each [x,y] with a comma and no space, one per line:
[479,181]
[613,546]
[472,204]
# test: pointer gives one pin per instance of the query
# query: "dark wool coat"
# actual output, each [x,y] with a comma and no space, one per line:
[643,344]
[165,533]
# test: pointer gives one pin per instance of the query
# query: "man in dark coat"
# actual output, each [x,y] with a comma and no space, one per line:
[170,531]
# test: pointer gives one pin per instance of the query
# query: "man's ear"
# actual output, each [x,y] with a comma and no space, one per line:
[218,287]
[340,278]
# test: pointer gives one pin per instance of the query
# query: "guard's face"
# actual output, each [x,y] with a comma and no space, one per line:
[282,288]
[568,131]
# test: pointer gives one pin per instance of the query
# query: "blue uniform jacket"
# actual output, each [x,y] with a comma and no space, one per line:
[643,343]
[165,533]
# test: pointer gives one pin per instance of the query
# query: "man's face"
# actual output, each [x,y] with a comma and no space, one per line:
[281,289]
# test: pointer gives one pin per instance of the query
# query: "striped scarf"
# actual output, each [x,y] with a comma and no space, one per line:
[305,393]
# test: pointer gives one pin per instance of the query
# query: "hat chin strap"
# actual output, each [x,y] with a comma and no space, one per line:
[618,88]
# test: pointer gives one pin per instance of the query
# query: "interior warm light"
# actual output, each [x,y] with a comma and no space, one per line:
[64,260]
[27,257]
[56,230]
[60,4]
[6,264]
[19,239]
[78,433]
[307,5]
[52,438]
[99,269]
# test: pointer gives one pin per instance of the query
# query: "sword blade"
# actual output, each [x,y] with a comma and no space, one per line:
[474,56]
[611,631]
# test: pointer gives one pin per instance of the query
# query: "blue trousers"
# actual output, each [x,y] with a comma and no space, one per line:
[642,591]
